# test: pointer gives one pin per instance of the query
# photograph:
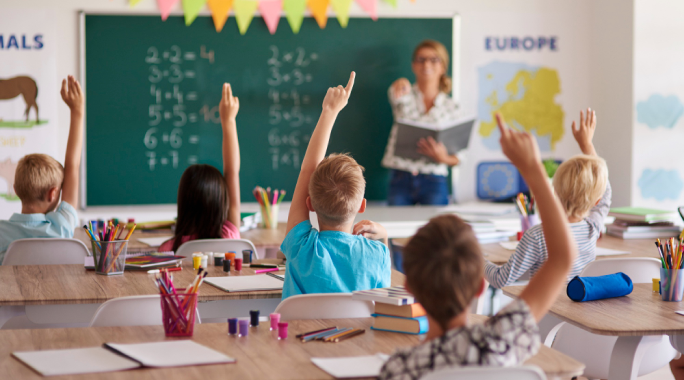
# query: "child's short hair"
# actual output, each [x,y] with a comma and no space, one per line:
[336,188]
[444,267]
[579,182]
[36,174]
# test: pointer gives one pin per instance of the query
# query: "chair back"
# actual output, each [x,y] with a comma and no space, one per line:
[323,306]
[45,251]
[131,311]
[639,269]
[487,373]
[216,245]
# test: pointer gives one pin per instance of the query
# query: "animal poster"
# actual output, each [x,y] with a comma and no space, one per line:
[29,95]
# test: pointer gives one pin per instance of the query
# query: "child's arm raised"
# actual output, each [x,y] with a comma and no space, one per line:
[585,133]
[73,97]
[334,102]
[228,109]
[543,289]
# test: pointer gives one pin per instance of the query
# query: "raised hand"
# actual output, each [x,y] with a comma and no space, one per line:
[584,135]
[229,106]
[336,97]
[370,230]
[72,94]
[520,147]
[400,87]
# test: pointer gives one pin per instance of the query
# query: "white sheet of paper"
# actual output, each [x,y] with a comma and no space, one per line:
[609,252]
[245,283]
[154,241]
[509,245]
[176,353]
[350,367]
[680,312]
[74,361]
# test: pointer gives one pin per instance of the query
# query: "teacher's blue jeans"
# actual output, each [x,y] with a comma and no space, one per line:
[407,189]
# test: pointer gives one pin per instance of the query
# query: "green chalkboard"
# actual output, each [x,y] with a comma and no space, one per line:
[153,88]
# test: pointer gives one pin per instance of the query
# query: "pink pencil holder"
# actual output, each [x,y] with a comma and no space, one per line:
[178,313]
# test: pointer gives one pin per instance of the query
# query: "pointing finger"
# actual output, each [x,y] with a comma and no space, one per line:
[502,125]
[64,88]
[350,84]
[230,91]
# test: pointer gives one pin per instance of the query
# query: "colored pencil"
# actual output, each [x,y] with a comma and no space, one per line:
[350,335]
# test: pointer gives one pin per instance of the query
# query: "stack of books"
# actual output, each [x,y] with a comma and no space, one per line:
[642,223]
[395,310]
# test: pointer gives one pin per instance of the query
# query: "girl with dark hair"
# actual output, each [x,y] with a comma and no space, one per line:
[208,202]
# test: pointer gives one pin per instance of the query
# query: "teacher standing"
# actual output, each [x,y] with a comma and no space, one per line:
[422,181]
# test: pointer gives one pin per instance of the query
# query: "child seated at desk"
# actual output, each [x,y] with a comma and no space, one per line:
[39,180]
[342,257]
[208,202]
[582,186]
[443,265]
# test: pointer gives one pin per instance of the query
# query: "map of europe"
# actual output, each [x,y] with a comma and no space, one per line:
[525,97]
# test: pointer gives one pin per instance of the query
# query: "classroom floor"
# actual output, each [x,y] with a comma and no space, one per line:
[661,374]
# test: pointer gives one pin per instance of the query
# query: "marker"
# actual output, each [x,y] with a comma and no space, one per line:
[266,270]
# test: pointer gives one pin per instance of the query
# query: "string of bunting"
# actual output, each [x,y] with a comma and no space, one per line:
[270,11]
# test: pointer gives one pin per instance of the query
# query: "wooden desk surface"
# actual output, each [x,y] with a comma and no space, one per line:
[641,313]
[259,355]
[72,284]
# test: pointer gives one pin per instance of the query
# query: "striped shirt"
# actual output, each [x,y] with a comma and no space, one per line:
[531,252]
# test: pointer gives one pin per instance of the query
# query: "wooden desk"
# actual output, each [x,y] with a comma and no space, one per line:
[259,355]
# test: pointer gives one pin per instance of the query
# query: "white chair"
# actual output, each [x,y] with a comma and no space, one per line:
[651,354]
[323,306]
[216,245]
[487,373]
[45,251]
[131,311]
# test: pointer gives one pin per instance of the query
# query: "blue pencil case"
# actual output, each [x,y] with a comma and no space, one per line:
[582,289]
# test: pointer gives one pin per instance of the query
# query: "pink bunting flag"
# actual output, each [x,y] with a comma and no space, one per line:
[165,7]
[370,6]
[270,11]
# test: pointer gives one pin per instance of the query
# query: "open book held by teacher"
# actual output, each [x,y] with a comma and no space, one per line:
[453,134]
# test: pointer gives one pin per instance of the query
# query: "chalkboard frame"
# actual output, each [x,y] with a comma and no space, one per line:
[455,76]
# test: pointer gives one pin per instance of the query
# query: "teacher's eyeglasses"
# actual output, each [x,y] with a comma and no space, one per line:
[421,60]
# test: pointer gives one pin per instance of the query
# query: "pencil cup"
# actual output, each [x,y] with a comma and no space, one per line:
[178,313]
[269,217]
[110,256]
[671,284]
[528,221]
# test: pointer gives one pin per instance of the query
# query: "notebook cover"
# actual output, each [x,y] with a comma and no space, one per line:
[422,323]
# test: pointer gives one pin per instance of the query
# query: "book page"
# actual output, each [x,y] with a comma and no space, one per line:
[350,367]
[177,353]
[74,361]
[245,283]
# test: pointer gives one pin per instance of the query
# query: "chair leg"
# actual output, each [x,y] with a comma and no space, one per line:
[9,312]
[627,354]
[551,336]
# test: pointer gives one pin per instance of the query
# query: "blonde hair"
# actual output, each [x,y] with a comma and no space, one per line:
[443,54]
[336,188]
[579,183]
[36,174]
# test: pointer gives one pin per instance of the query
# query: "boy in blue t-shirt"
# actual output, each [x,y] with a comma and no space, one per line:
[342,257]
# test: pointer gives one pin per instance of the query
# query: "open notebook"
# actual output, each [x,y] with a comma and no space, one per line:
[246,283]
[352,367]
[118,357]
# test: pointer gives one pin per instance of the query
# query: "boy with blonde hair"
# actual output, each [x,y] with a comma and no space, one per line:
[443,265]
[40,180]
[581,185]
[342,257]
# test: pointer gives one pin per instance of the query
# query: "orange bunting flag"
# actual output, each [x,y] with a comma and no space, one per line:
[219,12]
[370,6]
[191,8]
[341,8]
[270,11]
[319,10]
[244,12]
[165,7]
[133,3]
[294,11]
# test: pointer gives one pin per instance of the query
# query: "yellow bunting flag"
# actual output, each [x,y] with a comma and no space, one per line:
[393,3]
[244,12]
[133,3]
[319,10]
[191,8]
[219,12]
[341,8]
[294,11]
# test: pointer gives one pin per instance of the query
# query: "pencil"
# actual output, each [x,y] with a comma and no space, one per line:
[331,338]
[350,335]
[302,335]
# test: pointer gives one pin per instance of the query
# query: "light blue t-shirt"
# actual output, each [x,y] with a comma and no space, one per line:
[333,262]
[57,224]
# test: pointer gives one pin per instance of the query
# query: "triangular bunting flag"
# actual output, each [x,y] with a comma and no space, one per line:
[270,11]
[319,9]
[191,8]
[219,12]
[294,11]
[244,12]
[341,8]
[133,3]
[369,6]
[393,3]
[165,7]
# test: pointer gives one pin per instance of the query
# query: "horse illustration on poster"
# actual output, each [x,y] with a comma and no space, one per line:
[24,86]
